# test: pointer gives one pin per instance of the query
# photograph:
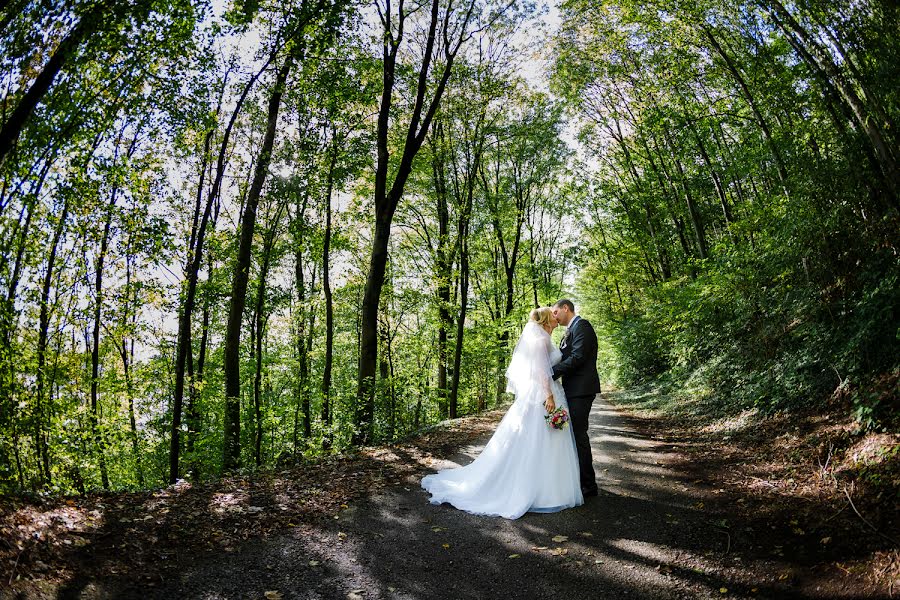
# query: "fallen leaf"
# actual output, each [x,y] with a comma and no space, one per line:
[586,534]
[559,551]
[723,590]
[513,556]
[539,548]
[436,528]
[560,538]
[342,535]
[825,540]
[314,563]
[272,595]
[445,546]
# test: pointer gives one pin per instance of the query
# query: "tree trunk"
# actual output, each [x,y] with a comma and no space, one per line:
[43,331]
[302,389]
[13,126]
[461,317]
[751,100]
[127,355]
[442,264]
[824,65]
[259,325]
[661,254]
[384,374]
[693,213]
[192,268]
[386,200]
[387,374]
[231,359]
[197,377]
[99,445]
[717,181]
[329,304]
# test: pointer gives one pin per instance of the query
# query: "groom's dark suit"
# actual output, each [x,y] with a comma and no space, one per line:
[578,369]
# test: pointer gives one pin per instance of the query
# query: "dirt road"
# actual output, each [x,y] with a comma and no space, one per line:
[655,531]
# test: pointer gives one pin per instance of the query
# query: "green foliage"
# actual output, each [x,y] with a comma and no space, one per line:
[743,239]
[103,199]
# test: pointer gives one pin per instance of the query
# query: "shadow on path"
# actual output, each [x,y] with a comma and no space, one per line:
[650,534]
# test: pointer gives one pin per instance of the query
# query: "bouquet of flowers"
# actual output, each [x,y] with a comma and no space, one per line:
[558,419]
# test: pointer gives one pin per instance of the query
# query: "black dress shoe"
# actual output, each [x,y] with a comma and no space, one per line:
[587,493]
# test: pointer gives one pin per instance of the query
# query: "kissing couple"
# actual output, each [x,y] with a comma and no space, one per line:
[533,462]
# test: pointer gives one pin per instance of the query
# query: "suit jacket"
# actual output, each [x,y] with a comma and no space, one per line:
[578,366]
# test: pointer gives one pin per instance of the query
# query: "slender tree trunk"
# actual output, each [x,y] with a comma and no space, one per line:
[232,364]
[661,252]
[126,352]
[329,303]
[99,265]
[386,199]
[872,101]
[461,316]
[510,258]
[387,375]
[197,377]
[192,268]
[310,340]
[717,181]
[260,325]
[751,100]
[442,263]
[824,65]
[99,445]
[43,331]
[302,389]
[693,213]
[384,374]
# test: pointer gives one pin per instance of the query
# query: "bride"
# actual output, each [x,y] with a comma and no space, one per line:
[527,466]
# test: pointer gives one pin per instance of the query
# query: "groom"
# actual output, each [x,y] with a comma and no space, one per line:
[578,369]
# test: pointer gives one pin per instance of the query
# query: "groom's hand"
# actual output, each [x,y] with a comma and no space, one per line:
[549,404]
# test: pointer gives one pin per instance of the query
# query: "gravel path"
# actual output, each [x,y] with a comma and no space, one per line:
[655,531]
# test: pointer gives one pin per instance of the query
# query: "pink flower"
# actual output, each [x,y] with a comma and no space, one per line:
[558,418]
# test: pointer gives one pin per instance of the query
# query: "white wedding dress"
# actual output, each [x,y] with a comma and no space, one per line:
[527,466]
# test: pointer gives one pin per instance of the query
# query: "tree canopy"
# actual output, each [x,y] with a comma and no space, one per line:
[239,236]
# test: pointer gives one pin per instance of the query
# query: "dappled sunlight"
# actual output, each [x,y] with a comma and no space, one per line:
[64,525]
[234,501]
[734,423]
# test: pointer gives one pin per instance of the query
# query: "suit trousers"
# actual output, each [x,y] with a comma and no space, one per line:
[580,410]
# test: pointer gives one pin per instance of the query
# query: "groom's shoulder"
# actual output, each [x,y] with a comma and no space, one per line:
[585,323]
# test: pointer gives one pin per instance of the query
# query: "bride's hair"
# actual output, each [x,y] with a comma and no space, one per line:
[541,315]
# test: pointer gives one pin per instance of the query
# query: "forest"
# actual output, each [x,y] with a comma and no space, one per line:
[241,235]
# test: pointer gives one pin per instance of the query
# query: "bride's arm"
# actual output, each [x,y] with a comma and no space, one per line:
[546,379]
[549,402]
